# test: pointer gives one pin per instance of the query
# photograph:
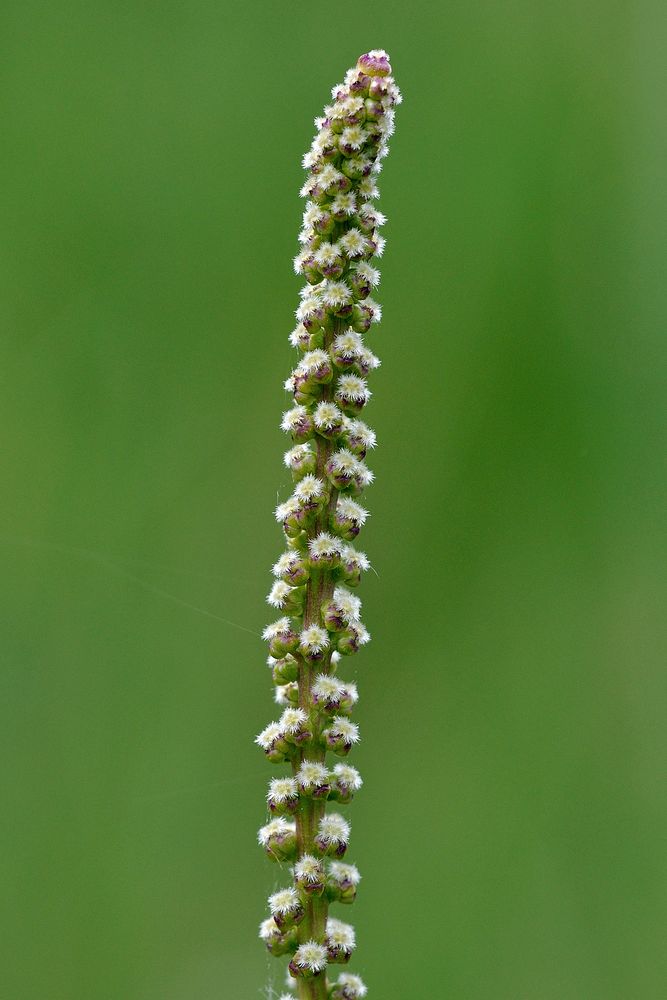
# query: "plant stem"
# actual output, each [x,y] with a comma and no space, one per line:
[318,589]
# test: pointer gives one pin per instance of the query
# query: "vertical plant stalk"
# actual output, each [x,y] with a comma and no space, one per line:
[321,615]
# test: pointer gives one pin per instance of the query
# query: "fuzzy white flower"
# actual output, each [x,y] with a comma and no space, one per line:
[335,293]
[349,604]
[347,344]
[333,829]
[324,545]
[344,203]
[280,627]
[293,720]
[353,387]
[372,215]
[367,361]
[357,429]
[283,511]
[362,633]
[308,869]
[353,557]
[299,337]
[311,775]
[353,242]
[347,730]
[278,594]
[371,274]
[311,956]
[340,936]
[327,254]
[282,790]
[284,901]
[343,462]
[285,563]
[329,177]
[348,776]
[269,735]
[368,188]
[353,985]
[327,415]
[280,694]
[344,873]
[279,827]
[309,488]
[353,137]
[352,511]
[314,639]
[293,418]
[269,929]
[328,688]
[312,360]
[297,454]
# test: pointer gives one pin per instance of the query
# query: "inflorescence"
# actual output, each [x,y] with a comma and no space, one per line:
[316,575]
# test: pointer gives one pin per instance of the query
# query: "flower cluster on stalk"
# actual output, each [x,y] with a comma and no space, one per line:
[316,576]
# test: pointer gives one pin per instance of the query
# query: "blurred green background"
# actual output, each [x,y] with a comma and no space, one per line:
[511,832]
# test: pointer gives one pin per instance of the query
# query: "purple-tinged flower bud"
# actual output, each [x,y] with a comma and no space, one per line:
[340,941]
[361,318]
[332,616]
[278,838]
[348,987]
[286,598]
[298,423]
[273,743]
[315,368]
[299,337]
[309,875]
[312,780]
[347,519]
[354,636]
[343,206]
[292,568]
[313,644]
[330,694]
[278,943]
[347,781]
[328,419]
[281,638]
[374,110]
[359,438]
[301,459]
[309,959]
[286,908]
[324,551]
[283,796]
[342,882]
[294,723]
[345,349]
[360,285]
[341,736]
[351,565]
[375,63]
[333,835]
[352,393]
[377,89]
[359,84]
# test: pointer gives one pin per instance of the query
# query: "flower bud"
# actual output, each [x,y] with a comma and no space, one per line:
[324,551]
[352,393]
[361,318]
[309,959]
[341,736]
[340,941]
[312,779]
[313,643]
[301,459]
[342,882]
[298,423]
[285,670]
[286,908]
[309,875]
[333,834]
[292,568]
[277,942]
[278,838]
[283,796]
[375,63]
[282,639]
[328,419]
[348,987]
[347,781]
[347,519]
[295,726]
